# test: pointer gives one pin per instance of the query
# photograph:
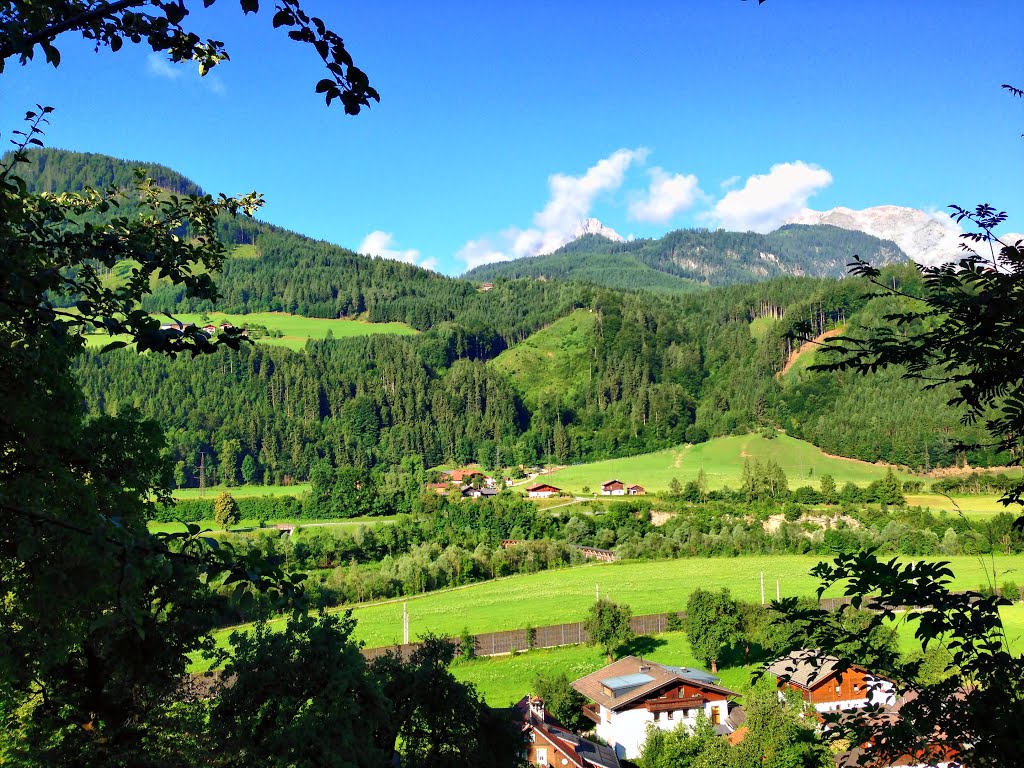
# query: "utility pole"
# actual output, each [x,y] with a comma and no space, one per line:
[202,475]
[405,623]
[778,592]
[597,592]
[762,587]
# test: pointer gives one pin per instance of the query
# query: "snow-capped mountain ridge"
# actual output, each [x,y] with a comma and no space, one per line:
[927,238]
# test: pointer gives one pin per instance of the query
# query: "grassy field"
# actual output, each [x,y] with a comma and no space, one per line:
[295,330]
[502,680]
[243,491]
[722,461]
[554,360]
[247,523]
[979,506]
[553,597]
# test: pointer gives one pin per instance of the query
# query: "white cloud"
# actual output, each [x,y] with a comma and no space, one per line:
[379,243]
[767,200]
[731,182]
[161,67]
[668,195]
[569,203]
[158,66]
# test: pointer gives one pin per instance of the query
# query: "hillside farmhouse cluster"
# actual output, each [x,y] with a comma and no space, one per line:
[209,329]
[470,483]
[619,488]
[633,695]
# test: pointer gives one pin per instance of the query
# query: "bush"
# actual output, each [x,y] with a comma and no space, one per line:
[674,622]
[467,644]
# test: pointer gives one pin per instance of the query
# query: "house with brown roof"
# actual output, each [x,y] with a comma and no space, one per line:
[633,694]
[819,680]
[636,490]
[549,743]
[613,488]
[463,476]
[541,491]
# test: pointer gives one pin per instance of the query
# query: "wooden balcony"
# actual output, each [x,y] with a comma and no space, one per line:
[592,712]
[666,705]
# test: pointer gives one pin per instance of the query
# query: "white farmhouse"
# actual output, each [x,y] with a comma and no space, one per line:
[633,693]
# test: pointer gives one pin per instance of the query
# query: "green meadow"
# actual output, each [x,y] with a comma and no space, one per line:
[722,460]
[242,491]
[554,597]
[250,523]
[978,506]
[295,329]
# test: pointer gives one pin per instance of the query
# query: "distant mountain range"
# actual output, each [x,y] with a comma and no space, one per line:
[924,237]
[688,259]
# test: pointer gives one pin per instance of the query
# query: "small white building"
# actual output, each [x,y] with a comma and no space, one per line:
[632,693]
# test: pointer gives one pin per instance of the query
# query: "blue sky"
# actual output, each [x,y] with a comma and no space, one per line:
[501,125]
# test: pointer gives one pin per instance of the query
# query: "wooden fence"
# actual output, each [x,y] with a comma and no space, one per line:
[554,635]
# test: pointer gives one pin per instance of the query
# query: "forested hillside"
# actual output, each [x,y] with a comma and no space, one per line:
[688,259]
[602,372]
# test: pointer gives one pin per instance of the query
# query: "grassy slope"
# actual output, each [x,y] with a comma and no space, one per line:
[243,491]
[553,361]
[505,679]
[722,460]
[554,597]
[295,329]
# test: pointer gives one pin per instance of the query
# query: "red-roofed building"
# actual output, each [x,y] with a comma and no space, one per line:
[541,491]
[548,743]
[631,695]
[636,490]
[613,488]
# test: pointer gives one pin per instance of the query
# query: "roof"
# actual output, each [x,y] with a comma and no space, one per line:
[646,676]
[609,482]
[809,668]
[636,485]
[582,752]
[539,486]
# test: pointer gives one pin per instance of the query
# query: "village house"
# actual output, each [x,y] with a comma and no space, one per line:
[613,488]
[636,490]
[469,492]
[541,491]
[632,694]
[816,677]
[548,743]
[462,476]
[209,330]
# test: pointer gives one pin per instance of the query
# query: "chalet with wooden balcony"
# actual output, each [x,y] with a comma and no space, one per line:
[632,694]
[822,682]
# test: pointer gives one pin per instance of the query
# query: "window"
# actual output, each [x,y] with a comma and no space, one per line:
[716,715]
[542,756]
[669,715]
[838,689]
[657,716]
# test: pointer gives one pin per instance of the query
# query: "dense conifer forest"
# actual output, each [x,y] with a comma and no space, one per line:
[653,369]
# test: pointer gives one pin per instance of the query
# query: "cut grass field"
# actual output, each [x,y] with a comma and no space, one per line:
[722,461]
[295,329]
[554,597]
[249,524]
[979,506]
[502,680]
[242,491]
